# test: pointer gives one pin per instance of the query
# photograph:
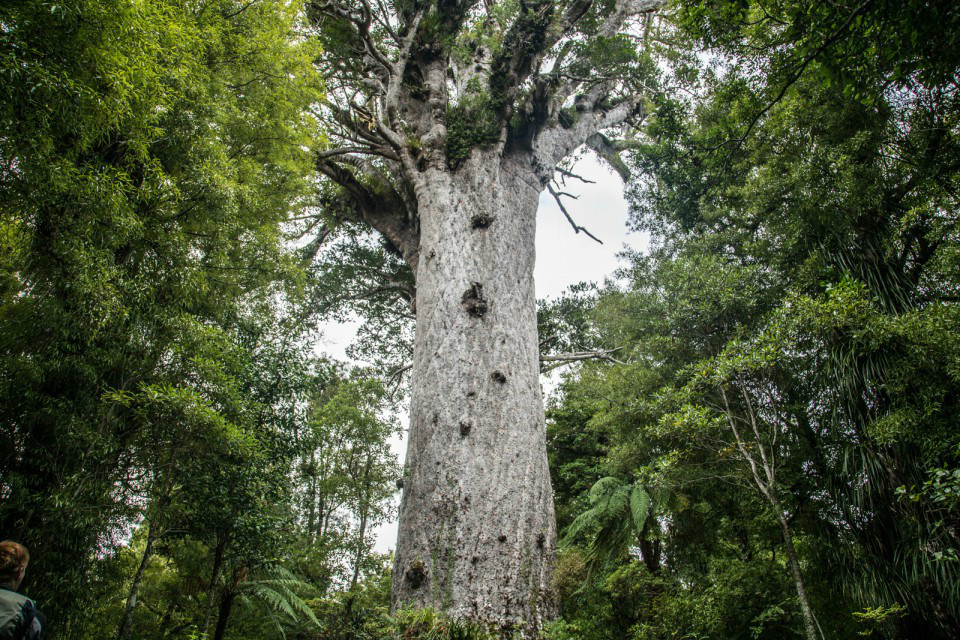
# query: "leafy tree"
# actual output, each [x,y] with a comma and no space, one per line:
[150,153]
[805,266]
[348,473]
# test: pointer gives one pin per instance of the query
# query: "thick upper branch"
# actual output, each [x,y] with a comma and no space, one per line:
[593,84]
[382,207]
[398,73]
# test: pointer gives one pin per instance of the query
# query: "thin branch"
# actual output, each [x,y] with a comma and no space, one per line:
[569,174]
[372,151]
[397,373]
[740,444]
[576,228]
[234,14]
[771,479]
[562,359]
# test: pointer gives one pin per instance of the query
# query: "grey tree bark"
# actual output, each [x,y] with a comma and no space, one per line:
[477,533]
[767,484]
[126,625]
[476,519]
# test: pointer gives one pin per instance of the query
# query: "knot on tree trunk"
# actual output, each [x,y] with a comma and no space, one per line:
[416,574]
[481,221]
[473,301]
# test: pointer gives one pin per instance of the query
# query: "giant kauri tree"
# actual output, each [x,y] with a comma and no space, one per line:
[447,120]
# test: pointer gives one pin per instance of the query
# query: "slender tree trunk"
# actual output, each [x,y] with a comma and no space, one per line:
[767,484]
[324,523]
[312,512]
[214,576]
[361,534]
[165,621]
[358,556]
[362,530]
[477,530]
[809,622]
[223,614]
[126,625]
[650,552]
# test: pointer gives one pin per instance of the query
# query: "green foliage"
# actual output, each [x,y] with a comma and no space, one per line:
[358,277]
[151,313]
[427,624]
[804,263]
[471,123]
[877,617]
[347,473]
[616,517]
[564,323]
[276,592]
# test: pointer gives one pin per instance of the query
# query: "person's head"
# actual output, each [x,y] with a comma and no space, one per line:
[13,562]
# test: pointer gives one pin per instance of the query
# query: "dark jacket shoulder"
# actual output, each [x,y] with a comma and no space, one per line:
[19,617]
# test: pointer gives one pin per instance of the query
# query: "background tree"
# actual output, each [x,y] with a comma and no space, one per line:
[149,154]
[805,236]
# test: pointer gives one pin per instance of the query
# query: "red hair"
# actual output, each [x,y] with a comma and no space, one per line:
[13,557]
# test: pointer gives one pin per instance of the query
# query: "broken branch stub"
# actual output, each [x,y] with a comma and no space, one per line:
[481,221]
[473,301]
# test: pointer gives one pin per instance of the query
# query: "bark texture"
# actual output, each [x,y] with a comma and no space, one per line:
[442,144]
[477,528]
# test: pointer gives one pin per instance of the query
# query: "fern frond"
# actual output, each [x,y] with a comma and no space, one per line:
[639,507]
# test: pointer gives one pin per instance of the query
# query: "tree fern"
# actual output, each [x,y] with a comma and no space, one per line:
[277,592]
[639,507]
[614,522]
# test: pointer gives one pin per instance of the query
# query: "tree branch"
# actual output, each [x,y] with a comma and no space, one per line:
[608,152]
[561,359]
[385,210]
[566,173]
[576,228]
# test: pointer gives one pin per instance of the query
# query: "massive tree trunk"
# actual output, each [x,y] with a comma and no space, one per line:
[442,143]
[477,530]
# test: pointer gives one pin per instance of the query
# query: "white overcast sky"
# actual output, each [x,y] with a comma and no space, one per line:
[564,258]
